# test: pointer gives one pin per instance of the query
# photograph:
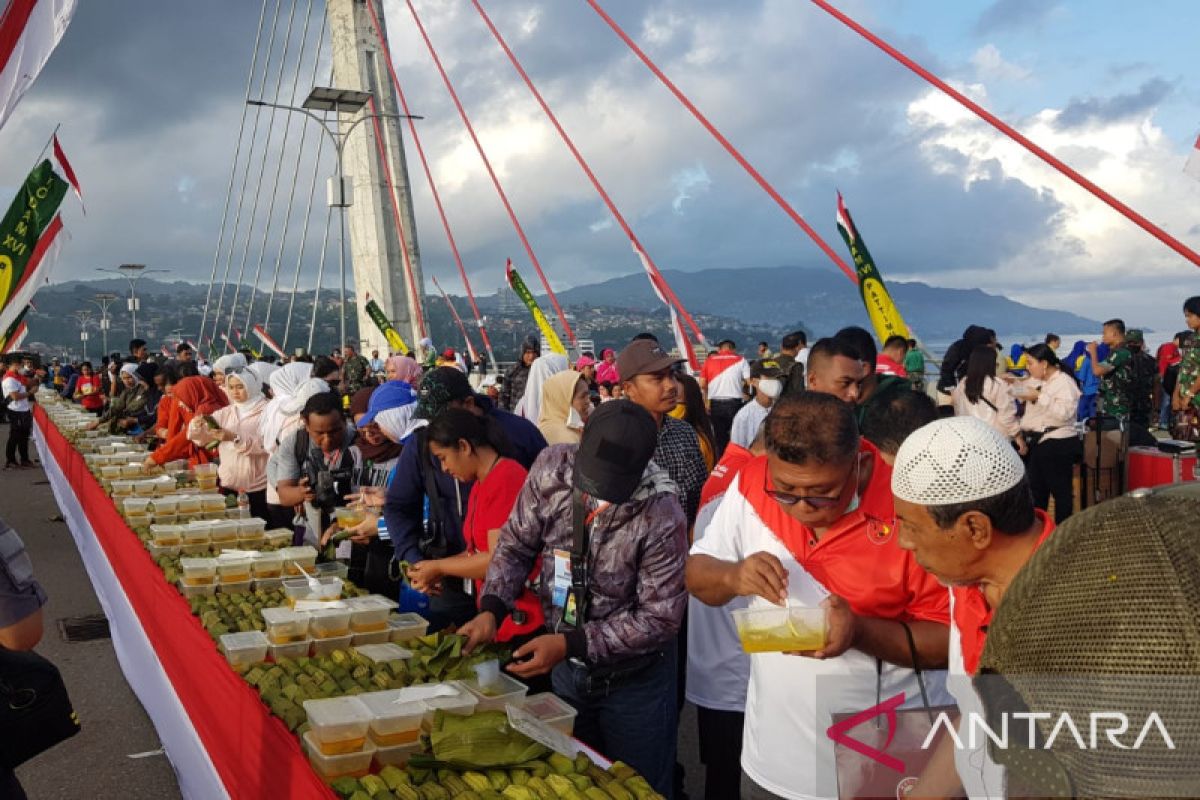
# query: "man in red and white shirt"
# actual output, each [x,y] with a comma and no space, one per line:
[965,510]
[812,523]
[723,380]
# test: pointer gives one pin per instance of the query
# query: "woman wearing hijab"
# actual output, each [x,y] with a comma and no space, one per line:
[606,370]
[280,418]
[566,403]
[284,385]
[230,362]
[195,398]
[243,461]
[377,450]
[530,406]
[263,371]
[149,374]
[123,410]
[403,368]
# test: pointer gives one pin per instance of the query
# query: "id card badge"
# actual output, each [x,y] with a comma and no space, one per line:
[562,578]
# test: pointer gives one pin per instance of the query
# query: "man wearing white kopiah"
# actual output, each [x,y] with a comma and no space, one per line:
[811,523]
[964,509]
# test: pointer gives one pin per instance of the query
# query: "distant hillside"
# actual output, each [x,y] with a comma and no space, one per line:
[825,301]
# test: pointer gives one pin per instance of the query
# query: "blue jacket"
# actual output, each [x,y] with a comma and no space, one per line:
[404,510]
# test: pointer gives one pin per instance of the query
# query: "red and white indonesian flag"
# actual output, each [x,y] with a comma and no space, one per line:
[681,341]
[29,32]
[1192,167]
[67,170]
[18,339]
[36,275]
[267,341]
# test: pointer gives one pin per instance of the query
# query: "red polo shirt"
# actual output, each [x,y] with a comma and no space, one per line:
[972,614]
[857,558]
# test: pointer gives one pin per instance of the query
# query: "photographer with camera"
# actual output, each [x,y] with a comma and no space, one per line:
[316,465]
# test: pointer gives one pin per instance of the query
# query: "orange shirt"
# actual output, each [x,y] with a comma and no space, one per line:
[973,615]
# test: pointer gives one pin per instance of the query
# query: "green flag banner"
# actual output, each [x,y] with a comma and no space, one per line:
[395,343]
[12,330]
[885,317]
[31,211]
[522,291]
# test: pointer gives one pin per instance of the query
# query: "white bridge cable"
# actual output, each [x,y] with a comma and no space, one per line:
[312,190]
[232,173]
[287,216]
[287,129]
[262,171]
[237,217]
[312,326]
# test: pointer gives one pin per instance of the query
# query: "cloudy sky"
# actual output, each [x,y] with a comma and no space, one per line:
[150,97]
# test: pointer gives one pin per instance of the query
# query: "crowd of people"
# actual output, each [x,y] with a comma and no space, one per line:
[606,516]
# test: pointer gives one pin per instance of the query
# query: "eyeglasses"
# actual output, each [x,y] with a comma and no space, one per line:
[815,502]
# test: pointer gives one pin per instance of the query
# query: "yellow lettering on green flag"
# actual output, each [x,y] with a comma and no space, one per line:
[32,209]
[395,342]
[885,317]
[522,291]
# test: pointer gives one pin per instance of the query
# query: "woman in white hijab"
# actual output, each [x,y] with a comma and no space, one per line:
[280,418]
[243,461]
[530,406]
[263,371]
[284,384]
[230,362]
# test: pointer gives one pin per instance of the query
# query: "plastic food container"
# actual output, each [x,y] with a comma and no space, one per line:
[157,551]
[110,471]
[375,637]
[137,510]
[214,502]
[143,488]
[167,504]
[251,528]
[131,470]
[236,513]
[234,587]
[268,565]
[370,615]
[771,629]
[323,647]
[325,623]
[268,584]
[350,765]
[397,755]
[243,649]
[234,569]
[163,486]
[338,724]
[190,504]
[505,691]
[461,703]
[285,626]
[122,488]
[382,653]
[299,589]
[166,535]
[406,626]
[304,555]
[335,569]
[280,537]
[293,650]
[223,532]
[556,713]
[393,723]
[197,590]
[198,571]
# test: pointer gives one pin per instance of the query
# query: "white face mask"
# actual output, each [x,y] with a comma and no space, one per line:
[770,387]
[574,419]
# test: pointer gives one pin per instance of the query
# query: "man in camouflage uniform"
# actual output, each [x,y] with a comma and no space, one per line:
[355,369]
[1115,372]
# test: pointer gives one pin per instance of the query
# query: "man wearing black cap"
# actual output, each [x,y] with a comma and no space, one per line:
[648,379]
[418,476]
[607,528]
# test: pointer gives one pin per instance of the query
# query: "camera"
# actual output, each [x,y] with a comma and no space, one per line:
[329,486]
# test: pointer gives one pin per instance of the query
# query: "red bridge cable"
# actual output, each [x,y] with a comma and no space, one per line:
[492,174]
[729,148]
[457,319]
[437,199]
[387,175]
[583,164]
[1013,134]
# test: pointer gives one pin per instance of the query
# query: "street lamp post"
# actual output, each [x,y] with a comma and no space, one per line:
[340,101]
[132,273]
[83,319]
[102,301]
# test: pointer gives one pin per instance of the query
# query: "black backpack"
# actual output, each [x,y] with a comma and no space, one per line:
[1143,370]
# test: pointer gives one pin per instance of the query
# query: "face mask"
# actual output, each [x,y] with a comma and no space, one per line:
[770,387]
[574,420]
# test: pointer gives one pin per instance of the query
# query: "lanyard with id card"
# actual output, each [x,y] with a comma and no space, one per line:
[575,591]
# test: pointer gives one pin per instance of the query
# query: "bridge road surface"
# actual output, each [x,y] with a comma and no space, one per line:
[96,763]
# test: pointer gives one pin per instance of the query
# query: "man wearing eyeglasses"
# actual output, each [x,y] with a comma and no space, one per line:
[811,523]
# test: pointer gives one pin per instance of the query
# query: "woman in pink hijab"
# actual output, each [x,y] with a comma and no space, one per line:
[606,370]
[403,368]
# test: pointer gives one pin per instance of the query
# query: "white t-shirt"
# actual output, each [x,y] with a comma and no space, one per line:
[10,386]
[981,777]
[791,699]
[718,669]
[802,356]
[725,373]
[746,423]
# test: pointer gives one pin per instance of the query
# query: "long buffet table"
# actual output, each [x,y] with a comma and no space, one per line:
[221,740]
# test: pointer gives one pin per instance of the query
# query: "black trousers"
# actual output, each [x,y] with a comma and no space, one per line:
[20,426]
[1051,473]
[721,752]
[722,413]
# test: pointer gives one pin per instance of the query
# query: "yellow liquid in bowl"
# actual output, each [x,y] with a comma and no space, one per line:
[781,638]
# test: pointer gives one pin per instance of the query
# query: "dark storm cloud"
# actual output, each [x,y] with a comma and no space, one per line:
[1005,16]
[1102,110]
